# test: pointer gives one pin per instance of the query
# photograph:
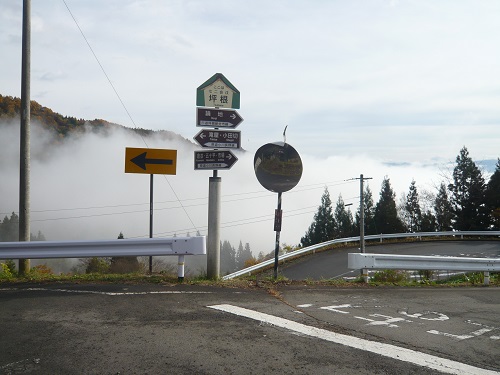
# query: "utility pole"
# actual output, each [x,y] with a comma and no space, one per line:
[24,165]
[364,272]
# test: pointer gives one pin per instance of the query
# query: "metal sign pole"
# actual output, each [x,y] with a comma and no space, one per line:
[277,228]
[213,235]
[151,219]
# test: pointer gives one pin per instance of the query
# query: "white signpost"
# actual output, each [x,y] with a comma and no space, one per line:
[219,98]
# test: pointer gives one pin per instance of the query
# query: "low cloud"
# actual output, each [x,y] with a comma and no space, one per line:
[79,190]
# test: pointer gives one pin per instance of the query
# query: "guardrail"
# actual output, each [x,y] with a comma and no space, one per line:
[420,262]
[179,246]
[380,237]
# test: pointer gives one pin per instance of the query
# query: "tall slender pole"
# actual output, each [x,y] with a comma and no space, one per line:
[364,271]
[361,214]
[151,218]
[213,235]
[277,228]
[24,166]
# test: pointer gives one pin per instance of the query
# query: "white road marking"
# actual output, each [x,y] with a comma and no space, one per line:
[336,308]
[305,305]
[107,293]
[460,337]
[388,321]
[476,333]
[433,315]
[386,350]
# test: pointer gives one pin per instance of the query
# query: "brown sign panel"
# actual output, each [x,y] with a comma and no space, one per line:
[215,138]
[214,159]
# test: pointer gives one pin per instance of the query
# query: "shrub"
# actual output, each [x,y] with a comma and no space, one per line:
[390,276]
[5,272]
[42,269]
[425,274]
[124,265]
[97,265]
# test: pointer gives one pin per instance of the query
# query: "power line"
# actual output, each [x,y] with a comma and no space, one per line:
[261,194]
[121,101]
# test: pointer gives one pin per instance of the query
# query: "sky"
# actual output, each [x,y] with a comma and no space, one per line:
[373,87]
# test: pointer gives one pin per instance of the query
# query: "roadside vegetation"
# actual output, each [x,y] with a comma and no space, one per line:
[43,274]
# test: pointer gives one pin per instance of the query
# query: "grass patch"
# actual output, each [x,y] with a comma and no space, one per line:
[43,274]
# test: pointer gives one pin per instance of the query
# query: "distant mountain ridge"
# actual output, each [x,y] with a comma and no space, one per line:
[63,126]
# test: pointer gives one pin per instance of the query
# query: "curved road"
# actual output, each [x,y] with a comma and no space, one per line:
[333,263]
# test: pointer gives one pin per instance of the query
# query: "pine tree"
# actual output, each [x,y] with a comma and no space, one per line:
[386,214]
[323,226]
[343,220]
[240,256]
[412,208]
[493,197]
[428,223]
[369,209]
[443,209]
[468,195]
[9,228]
[227,258]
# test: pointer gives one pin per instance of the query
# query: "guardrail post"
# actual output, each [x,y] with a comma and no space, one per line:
[180,268]
[486,278]
[364,275]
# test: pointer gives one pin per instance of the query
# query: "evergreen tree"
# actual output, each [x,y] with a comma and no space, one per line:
[323,226]
[240,256]
[386,215]
[9,228]
[243,254]
[247,252]
[412,208]
[443,209]
[37,237]
[124,264]
[428,222]
[493,197]
[343,220]
[248,257]
[468,195]
[227,258]
[369,209]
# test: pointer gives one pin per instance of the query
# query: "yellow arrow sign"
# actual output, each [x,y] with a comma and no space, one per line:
[150,161]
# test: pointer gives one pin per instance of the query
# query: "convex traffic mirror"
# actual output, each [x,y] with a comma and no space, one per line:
[278,166]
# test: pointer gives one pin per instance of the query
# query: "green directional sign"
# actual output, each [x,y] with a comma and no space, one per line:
[218,92]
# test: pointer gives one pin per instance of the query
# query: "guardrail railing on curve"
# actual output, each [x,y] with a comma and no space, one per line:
[381,237]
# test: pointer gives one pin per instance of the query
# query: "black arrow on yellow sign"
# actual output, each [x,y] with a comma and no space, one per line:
[150,161]
[141,161]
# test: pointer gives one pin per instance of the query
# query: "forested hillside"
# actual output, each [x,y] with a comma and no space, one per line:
[63,126]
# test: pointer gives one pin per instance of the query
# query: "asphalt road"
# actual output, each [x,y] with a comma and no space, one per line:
[181,329]
[333,263]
